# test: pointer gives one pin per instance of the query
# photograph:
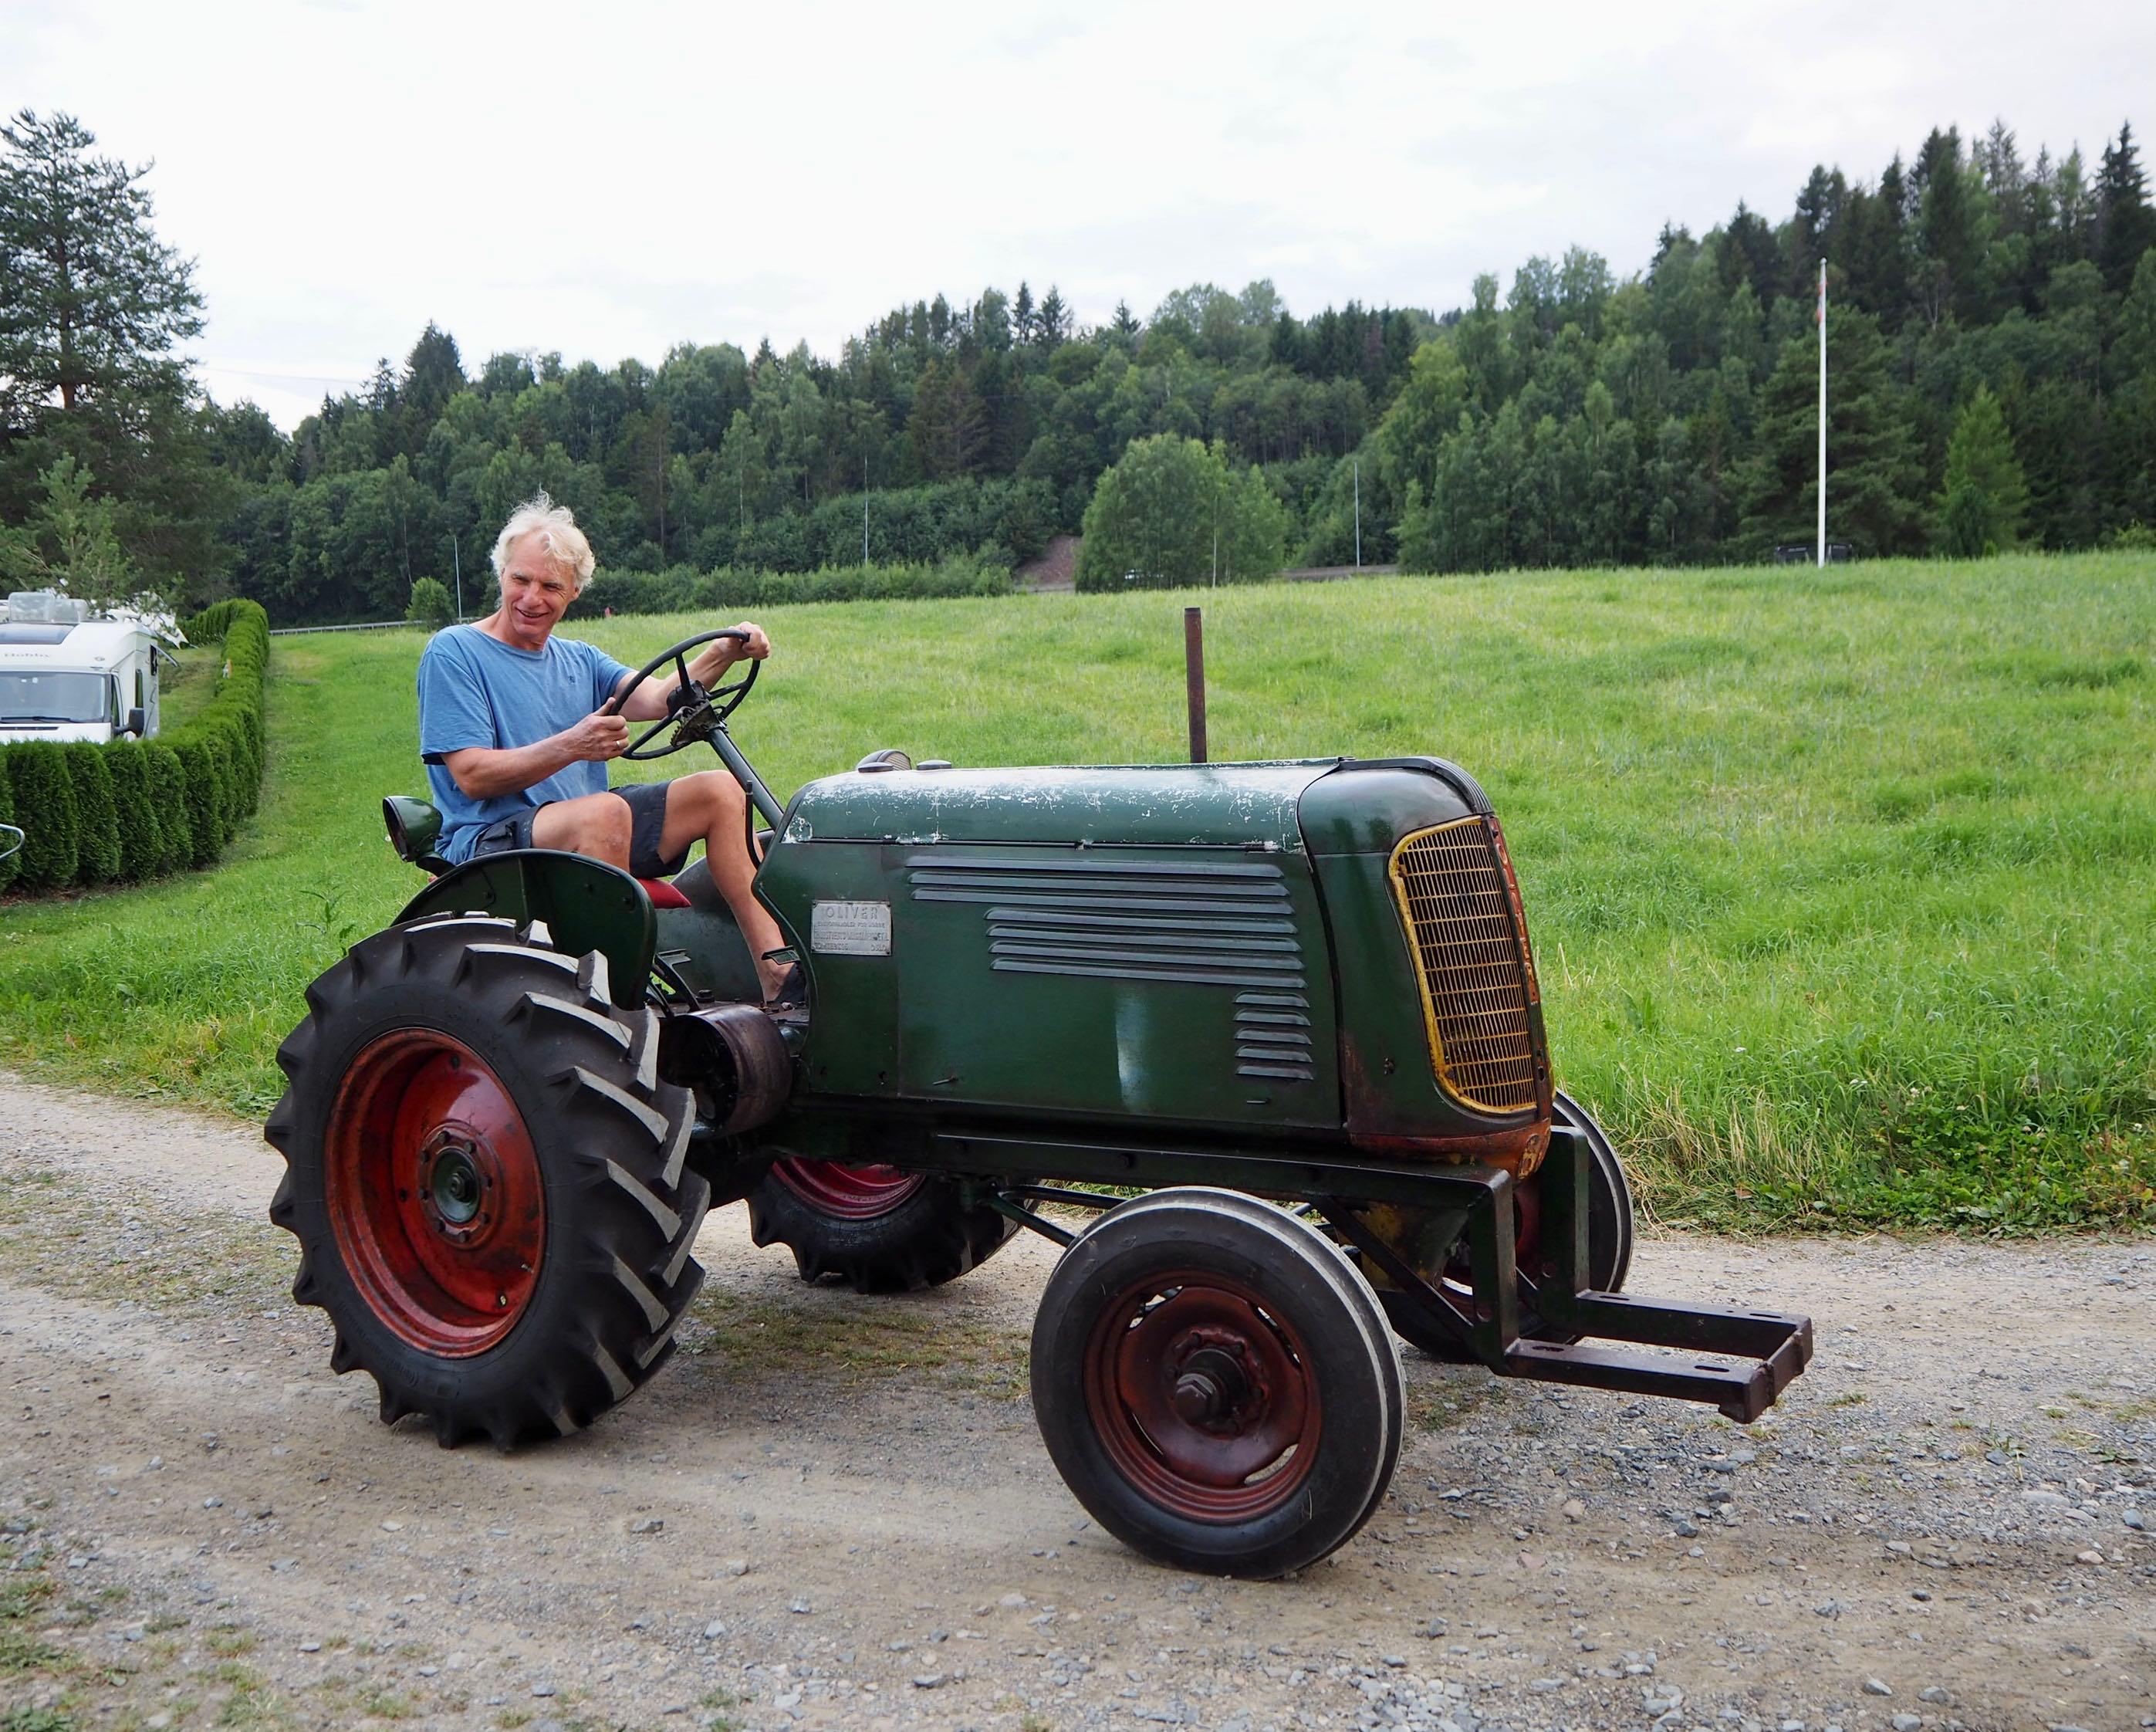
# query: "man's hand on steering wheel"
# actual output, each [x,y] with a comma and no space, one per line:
[692,711]
[751,645]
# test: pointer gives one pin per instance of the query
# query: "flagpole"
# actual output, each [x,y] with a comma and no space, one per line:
[1822,417]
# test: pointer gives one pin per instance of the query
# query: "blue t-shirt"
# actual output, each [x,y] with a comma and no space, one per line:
[476,690]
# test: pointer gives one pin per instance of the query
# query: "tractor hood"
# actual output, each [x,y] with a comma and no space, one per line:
[1160,806]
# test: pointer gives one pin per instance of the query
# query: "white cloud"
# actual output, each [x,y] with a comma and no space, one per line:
[607,180]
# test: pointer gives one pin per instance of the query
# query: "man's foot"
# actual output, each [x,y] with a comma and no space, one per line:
[785,985]
[792,991]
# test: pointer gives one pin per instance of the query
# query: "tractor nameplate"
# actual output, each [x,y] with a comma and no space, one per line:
[850,928]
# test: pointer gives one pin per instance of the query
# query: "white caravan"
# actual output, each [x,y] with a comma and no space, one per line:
[65,675]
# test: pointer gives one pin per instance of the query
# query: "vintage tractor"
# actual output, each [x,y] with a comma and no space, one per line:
[1276,1025]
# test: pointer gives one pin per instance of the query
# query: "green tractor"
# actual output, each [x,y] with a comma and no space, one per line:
[1275,1025]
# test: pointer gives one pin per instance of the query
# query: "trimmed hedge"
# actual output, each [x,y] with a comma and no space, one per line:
[197,816]
[168,803]
[97,824]
[685,589]
[95,814]
[45,808]
[10,864]
[142,850]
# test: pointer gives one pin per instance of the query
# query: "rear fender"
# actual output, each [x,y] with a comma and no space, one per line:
[586,905]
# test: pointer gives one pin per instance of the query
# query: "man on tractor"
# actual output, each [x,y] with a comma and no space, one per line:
[516,727]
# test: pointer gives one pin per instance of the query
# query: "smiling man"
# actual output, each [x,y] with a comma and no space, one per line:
[516,748]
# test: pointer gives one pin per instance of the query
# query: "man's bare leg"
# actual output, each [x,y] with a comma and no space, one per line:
[594,824]
[708,806]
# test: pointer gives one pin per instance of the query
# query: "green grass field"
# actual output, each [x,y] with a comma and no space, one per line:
[1843,887]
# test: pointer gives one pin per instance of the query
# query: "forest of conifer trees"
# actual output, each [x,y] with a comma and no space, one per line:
[1992,339]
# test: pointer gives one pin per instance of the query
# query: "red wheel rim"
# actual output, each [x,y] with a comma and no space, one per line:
[1202,1396]
[434,1192]
[850,1193]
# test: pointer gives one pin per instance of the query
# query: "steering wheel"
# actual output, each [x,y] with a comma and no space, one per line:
[691,711]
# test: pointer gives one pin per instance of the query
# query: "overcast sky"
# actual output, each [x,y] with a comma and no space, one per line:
[609,179]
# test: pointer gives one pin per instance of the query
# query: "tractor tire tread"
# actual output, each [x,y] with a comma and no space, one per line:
[619,1273]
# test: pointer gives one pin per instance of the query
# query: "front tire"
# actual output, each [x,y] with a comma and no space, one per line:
[1216,1384]
[880,1229]
[487,1179]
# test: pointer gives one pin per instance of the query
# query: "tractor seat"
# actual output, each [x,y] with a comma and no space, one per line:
[414,824]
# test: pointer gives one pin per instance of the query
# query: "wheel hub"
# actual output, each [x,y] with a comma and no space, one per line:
[1213,1387]
[1202,1396]
[453,1183]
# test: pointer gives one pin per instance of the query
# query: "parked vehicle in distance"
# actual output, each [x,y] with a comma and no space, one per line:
[66,674]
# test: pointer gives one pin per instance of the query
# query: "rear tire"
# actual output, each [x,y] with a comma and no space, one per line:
[880,1229]
[1609,1242]
[487,1179]
[1215,1382]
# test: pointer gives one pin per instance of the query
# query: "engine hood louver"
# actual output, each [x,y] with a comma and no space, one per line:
[1210,924]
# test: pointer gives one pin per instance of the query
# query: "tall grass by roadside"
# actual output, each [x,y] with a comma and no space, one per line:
[1843,886]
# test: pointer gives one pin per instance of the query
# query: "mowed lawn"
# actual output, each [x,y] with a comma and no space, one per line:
[1843,886]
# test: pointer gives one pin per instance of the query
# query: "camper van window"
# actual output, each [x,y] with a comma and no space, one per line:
[54,698]
[140,700]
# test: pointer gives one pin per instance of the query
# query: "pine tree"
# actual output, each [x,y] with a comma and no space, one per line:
[85,556]
[1818,209]
[1874,476]
[1949,238]
[2126,226]
[1055,318]
[1873,257]
[93,306]
[433,373]
[1986,496]
[2132,457]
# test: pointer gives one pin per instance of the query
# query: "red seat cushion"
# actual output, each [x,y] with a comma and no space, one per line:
[663,895]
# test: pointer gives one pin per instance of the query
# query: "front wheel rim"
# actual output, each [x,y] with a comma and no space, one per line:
[434,1192]
[1202,1396]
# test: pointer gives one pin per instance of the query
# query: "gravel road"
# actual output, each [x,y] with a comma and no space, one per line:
[834,1511]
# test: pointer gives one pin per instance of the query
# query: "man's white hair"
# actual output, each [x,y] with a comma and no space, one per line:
[556,527]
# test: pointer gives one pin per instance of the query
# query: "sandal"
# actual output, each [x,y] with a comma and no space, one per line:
[792,992]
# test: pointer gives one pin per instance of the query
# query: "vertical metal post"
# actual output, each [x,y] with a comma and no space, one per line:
[1359,513]
[1822,418]
[1193,678]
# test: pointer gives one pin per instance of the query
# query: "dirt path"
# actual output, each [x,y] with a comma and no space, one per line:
[830,1511]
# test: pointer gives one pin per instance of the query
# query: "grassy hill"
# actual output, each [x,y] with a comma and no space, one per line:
[1843,886]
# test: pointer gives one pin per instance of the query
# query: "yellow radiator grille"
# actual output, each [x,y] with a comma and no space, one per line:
[1452,892]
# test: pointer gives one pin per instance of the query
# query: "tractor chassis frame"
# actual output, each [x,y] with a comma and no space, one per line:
[1754,1354]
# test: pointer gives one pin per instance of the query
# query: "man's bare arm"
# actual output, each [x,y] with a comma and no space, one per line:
[648,702]
[483,772]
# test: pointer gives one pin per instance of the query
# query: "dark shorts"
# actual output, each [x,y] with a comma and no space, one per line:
[647,827]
